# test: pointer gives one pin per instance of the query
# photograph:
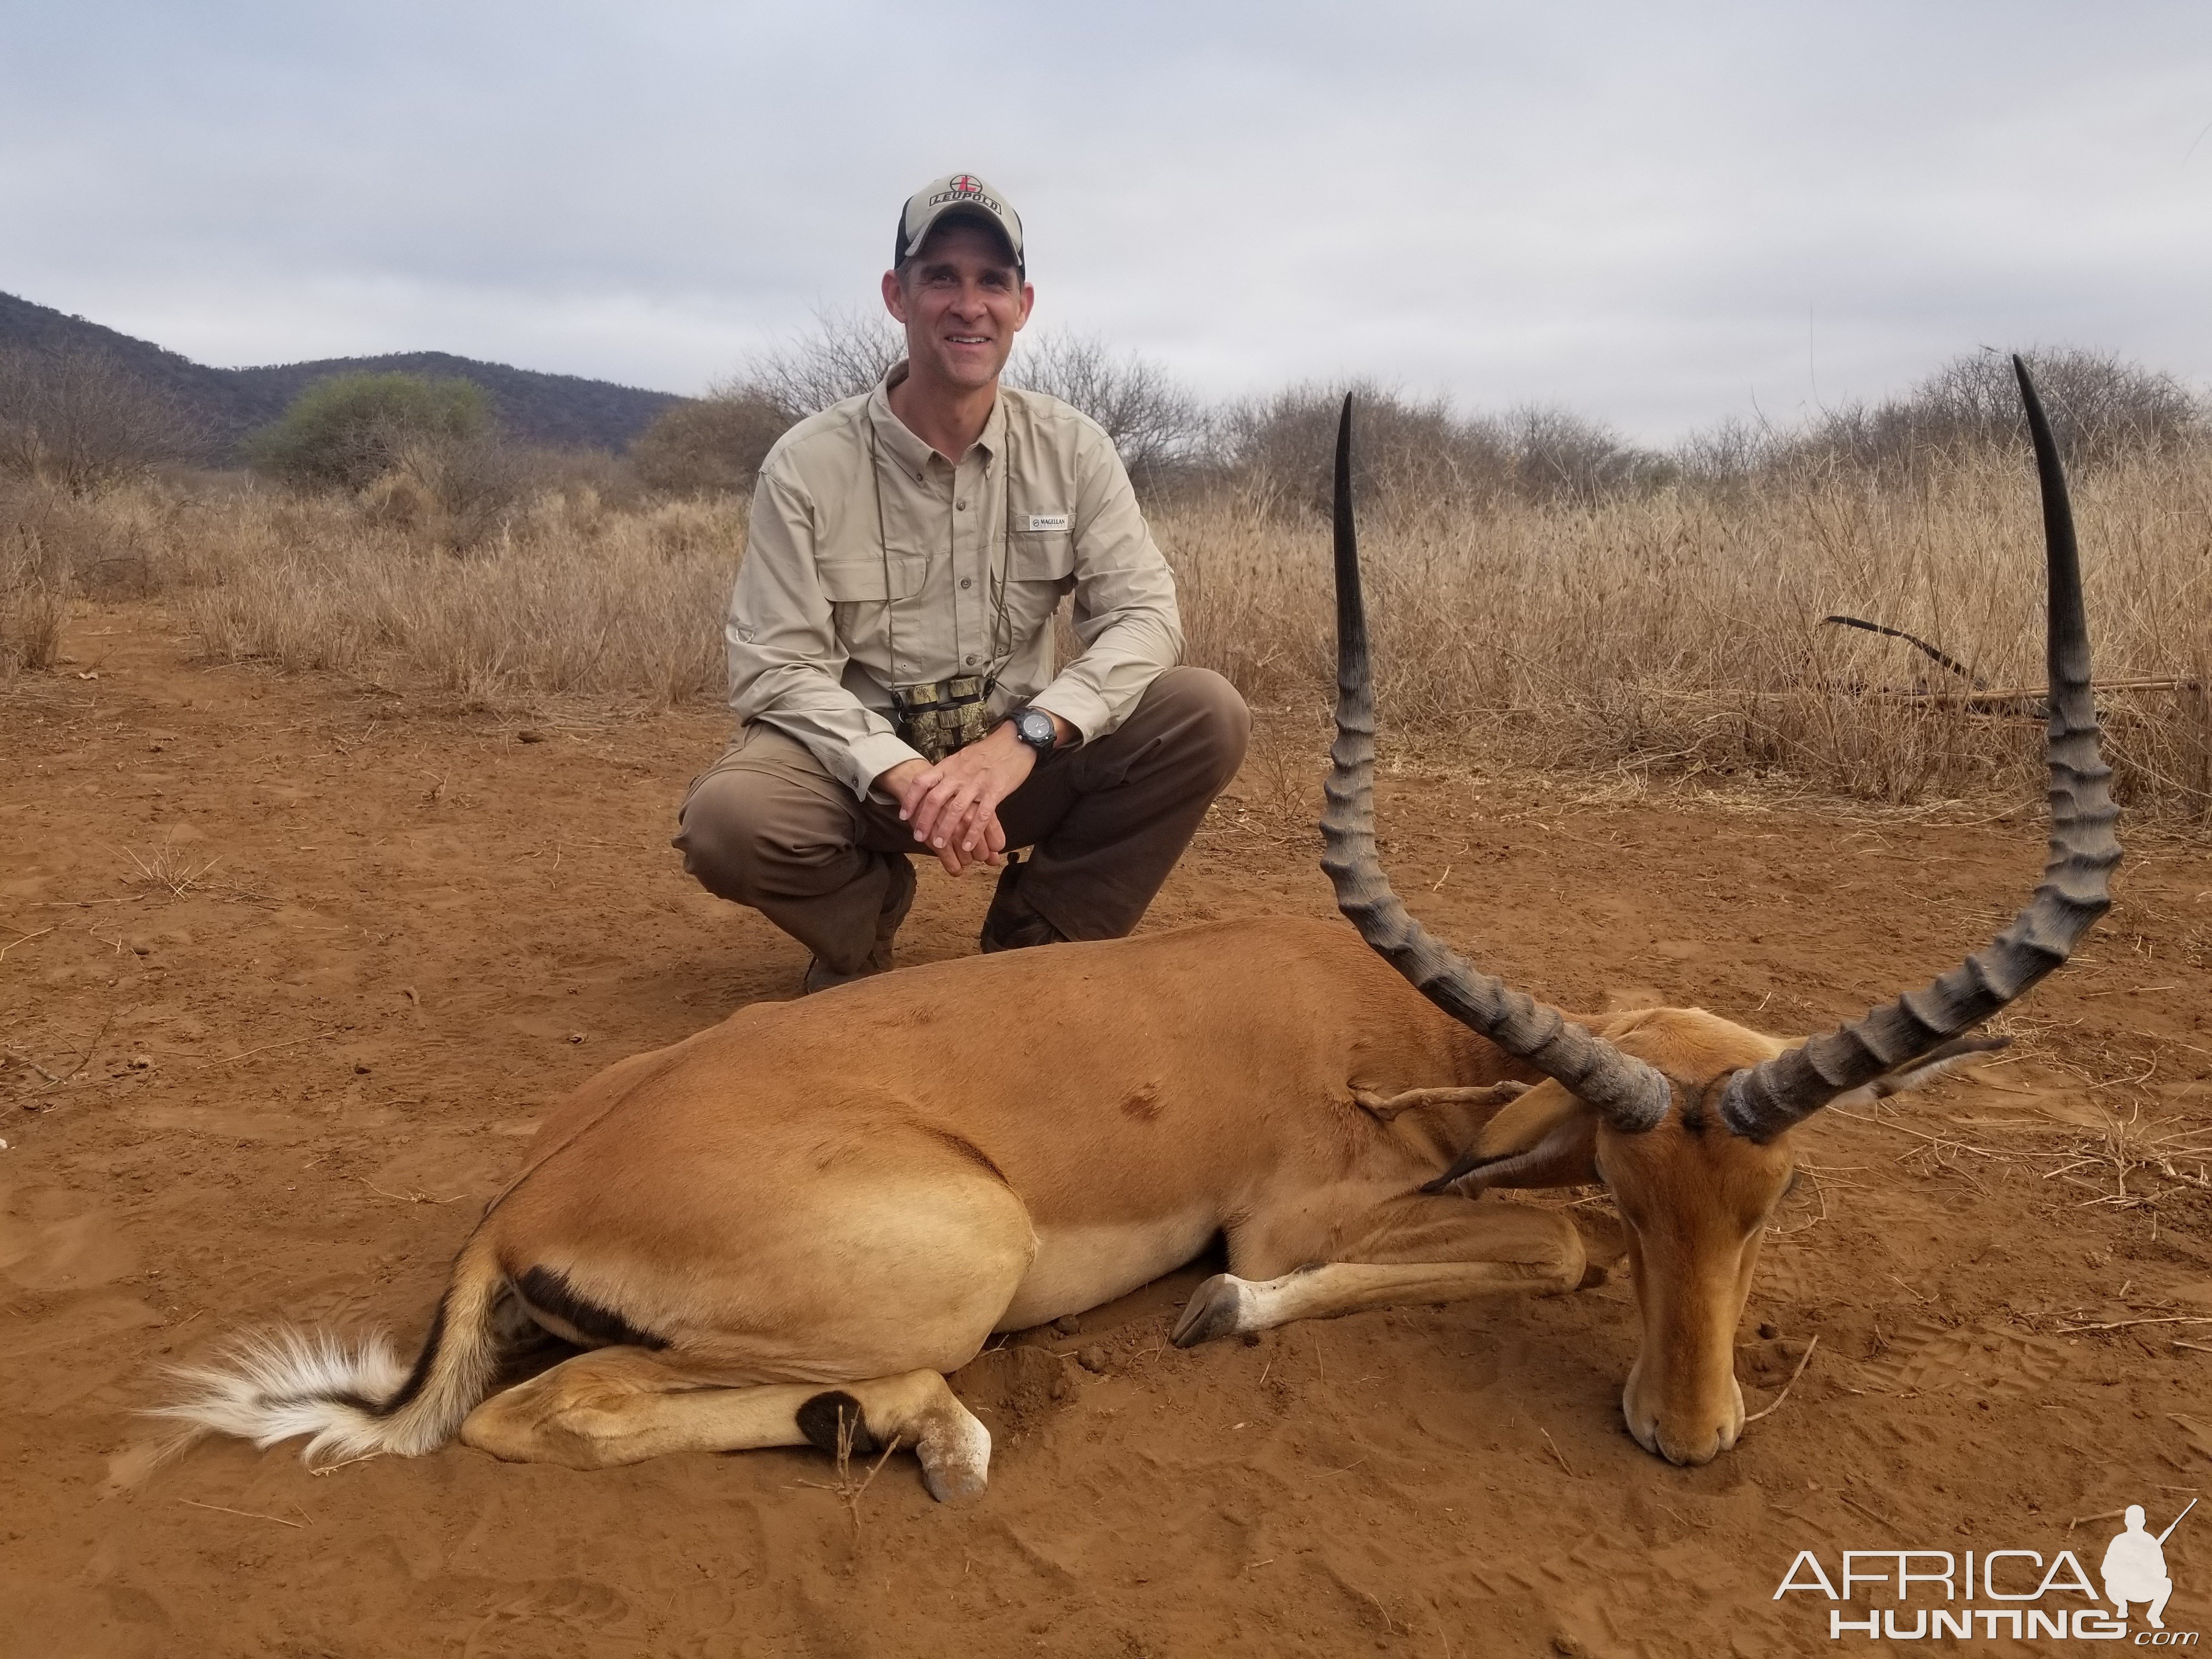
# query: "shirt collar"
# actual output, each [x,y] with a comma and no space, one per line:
[912,455]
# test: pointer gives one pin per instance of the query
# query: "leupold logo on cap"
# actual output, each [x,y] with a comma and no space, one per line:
[967,188]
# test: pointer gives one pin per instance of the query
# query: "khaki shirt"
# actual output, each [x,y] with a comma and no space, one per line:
[960,575]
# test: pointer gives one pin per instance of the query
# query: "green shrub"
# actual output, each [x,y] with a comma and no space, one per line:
[347,432]
[711,447]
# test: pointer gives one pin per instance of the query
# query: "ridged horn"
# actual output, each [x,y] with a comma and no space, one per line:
[1631,1095]
[1762,1102]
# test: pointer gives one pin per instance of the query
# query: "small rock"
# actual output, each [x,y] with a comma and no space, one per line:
[529,734]
[140,1062]
[361,1071]
[1092,1358]
[1768,1333]
[1067,1324]
[1565,1644]
[575,1036]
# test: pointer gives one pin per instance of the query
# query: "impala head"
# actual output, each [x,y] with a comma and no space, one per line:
[1687,1117]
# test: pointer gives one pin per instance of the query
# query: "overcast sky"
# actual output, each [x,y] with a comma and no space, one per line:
[1657,213]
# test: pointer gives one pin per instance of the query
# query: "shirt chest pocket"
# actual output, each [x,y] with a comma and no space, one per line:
[1042,557]
[862,592]
[1040,571]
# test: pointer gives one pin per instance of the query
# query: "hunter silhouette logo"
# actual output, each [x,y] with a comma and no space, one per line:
[1994,1593]
[2134,1568]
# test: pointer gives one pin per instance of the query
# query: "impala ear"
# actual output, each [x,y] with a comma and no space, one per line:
[1547,1137]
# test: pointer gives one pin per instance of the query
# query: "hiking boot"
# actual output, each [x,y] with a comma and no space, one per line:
[1009,924]
[820,976]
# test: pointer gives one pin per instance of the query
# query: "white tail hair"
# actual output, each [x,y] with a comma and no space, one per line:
[352,1400]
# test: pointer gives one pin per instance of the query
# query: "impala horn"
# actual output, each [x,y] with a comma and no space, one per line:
[1762,1102]
[1631,1095]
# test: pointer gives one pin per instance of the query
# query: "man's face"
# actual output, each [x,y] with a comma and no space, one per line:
[962,303]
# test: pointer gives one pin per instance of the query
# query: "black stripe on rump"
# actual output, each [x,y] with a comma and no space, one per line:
[820,1419]
[550,1292]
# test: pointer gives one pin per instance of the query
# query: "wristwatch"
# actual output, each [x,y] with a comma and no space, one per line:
[1035,728]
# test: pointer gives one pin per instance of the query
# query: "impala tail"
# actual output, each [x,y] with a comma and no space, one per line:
[353,1400]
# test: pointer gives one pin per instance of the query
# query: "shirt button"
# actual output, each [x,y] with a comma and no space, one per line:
[971,661]
[966,582]
[959,507]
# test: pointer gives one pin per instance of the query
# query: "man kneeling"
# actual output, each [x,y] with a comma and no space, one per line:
[891,652]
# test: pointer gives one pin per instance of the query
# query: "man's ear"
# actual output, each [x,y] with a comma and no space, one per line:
[1028,305]
[894,296]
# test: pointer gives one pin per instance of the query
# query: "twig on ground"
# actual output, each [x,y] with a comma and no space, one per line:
[21,1059]
[408,1198]
[227,1059]
[2122,1324]
[849,1491]
[1774,1404]
[1871,1514]
[344,1463]
[23,939]
[221,1508]
[1556,1452]
[85,1059]
[2104,1515]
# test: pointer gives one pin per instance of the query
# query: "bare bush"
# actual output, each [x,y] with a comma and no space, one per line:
[459,492]
[844,354]
[2104,410]
[1158,427]
[1560,456]
[77,418]
[1278,451]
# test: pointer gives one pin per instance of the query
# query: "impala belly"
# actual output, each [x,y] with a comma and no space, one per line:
[1079,1266]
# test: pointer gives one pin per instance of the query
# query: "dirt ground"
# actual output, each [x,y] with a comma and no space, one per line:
[301,963]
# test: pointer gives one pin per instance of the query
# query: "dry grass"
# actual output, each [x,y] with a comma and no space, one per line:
[37,583]
[1678,631]
[568,597]
[1670,631]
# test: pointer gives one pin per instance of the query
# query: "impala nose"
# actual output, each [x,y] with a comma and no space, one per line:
[1687,1439]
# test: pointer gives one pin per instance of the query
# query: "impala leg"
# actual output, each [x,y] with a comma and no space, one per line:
[622,1405]
[1409,1251]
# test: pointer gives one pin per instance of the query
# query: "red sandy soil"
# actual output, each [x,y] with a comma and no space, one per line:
[311,959]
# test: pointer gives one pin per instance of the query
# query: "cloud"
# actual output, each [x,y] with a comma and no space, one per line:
[1661,215]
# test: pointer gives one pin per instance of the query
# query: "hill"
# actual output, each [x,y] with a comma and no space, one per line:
[562,409]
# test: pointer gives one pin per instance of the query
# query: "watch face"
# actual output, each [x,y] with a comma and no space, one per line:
[1033,727]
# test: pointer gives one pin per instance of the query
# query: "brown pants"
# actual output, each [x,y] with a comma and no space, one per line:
[767,826]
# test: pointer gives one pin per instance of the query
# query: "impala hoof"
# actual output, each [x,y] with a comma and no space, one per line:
[1216,1310]
[955,1458]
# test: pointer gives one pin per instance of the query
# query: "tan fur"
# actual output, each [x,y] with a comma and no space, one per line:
[854,1191]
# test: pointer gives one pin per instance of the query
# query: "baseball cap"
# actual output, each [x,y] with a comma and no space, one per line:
[961,194]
